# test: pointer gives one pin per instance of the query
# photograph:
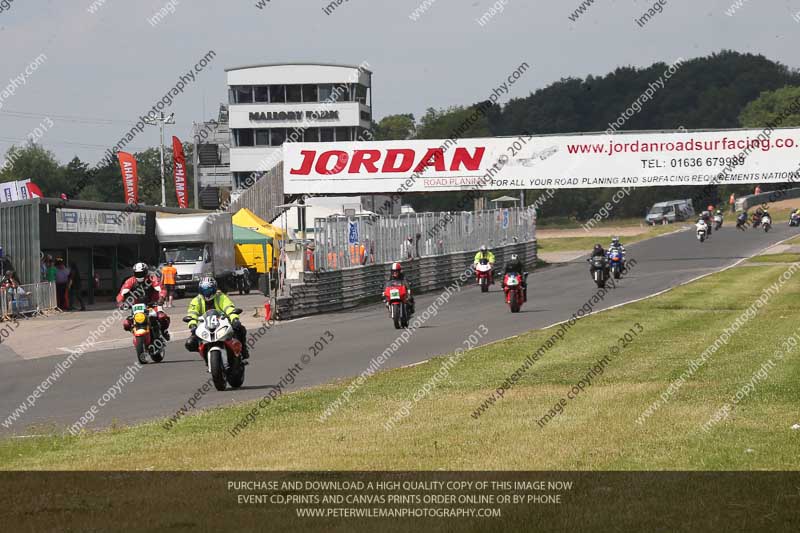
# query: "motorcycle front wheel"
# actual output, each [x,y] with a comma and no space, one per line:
[396,318]
[236,373]
[217,370]
[513,301]
[141,350]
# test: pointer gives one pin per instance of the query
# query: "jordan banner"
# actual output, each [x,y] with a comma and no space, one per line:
[179,164]
[638,159]
[130,178]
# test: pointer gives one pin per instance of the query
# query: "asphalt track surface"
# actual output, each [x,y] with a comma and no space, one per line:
[554,294]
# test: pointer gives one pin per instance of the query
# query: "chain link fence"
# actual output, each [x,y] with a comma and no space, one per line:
[344,242]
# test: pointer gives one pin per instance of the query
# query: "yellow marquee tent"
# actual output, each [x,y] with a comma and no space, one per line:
[247,254]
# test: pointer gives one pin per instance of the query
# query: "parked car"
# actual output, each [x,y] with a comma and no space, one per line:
[670,212]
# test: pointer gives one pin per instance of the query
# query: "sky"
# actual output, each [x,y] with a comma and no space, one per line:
[99,71]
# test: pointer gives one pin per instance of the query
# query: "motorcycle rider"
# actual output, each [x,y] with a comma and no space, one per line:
[208,296]
[616,245]
[706,216]
[741,221]
[702,224]
[146,288]
[397,277]
[765,213]
[794,216]
[485,253]
[598,251]
[515,266]
[757,217]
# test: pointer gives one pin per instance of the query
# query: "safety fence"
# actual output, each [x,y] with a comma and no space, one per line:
[336,290]
[746,202]
[344,242]
[27,300]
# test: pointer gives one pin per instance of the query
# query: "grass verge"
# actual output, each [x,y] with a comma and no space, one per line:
[597,430]
[568,244]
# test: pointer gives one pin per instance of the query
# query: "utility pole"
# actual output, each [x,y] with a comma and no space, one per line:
[160,121]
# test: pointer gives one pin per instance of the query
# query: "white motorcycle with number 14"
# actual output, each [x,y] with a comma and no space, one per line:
[221,351]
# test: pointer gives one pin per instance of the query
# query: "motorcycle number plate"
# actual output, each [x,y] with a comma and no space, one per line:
[394,294]
[181,287]
[139,308]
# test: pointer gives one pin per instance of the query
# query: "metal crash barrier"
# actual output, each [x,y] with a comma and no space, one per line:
[337,290]
[27,300]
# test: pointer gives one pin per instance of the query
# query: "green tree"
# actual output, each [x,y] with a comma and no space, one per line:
[394,127]
[769,107]
[37,163]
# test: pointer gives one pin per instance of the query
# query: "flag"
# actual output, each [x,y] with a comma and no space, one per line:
[34,191]
[179,164]
[130,178]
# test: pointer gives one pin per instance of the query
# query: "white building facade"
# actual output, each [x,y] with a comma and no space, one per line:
[272,104]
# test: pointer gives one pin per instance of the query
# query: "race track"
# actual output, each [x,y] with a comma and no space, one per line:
[554,294]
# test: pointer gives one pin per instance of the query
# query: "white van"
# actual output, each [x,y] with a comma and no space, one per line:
[669,212]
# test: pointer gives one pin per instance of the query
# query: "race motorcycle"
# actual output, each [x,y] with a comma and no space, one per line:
[615,260]
[220,350]
[147,338]
[396,298]
[241,280]
[794,219]
[766,222]
[717,221]
[702,230]
[599,270]
[514,293]
[483,273]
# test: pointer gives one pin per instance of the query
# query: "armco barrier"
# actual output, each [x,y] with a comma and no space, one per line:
[324,292]
[746,202]
[27,300]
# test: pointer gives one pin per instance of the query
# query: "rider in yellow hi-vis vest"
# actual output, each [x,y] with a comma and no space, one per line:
[208,297]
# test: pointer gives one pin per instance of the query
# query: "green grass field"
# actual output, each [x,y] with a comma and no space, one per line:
[568,244]
[776,258]
[598,430]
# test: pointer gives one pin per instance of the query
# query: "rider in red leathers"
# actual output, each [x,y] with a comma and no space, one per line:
[143,288]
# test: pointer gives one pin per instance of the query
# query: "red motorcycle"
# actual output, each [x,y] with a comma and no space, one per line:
[515,294]
[396,297]
[483,274]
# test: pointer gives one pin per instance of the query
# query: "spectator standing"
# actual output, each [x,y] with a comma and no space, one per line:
[75,286]
[168,276]
[50,269]
[732,202]
[757,189]
[62,281]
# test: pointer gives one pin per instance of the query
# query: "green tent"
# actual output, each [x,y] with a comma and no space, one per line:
[246,236]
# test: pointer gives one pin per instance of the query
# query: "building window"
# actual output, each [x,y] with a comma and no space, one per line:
[262,137]
[295,135]
[244,137]
[243,95]
[361,94]
[325,92]
[261,93]
[344,134]
[366,116]
[278,136]
[312,135]
[294,93]
[277,94]
[310,93]
[326,135]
